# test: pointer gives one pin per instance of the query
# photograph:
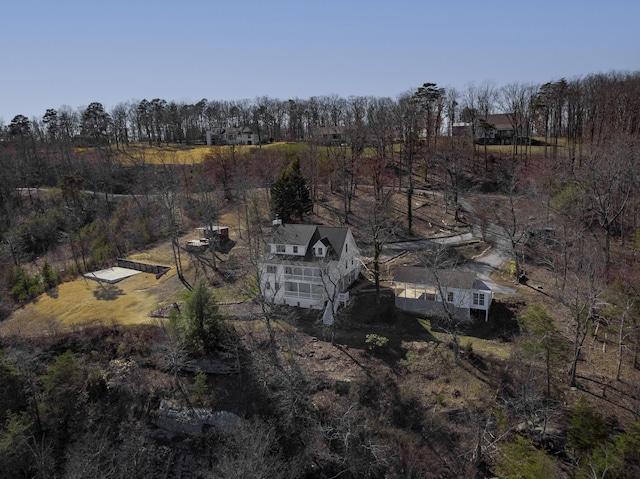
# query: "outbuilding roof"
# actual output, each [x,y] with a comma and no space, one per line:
[445,278]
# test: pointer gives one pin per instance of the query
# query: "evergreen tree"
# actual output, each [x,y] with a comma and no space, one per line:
[201,318]
[290,197]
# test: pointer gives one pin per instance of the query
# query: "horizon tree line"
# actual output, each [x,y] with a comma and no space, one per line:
[582,110]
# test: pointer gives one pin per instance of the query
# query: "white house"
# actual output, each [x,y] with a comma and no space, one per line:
[308,265]
[423,291]
[232,136]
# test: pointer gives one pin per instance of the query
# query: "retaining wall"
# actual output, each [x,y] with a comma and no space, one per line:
[156,269]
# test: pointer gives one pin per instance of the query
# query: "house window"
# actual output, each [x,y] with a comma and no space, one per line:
[478,299]
[280,248]
[271,269]
[346,248]
[450,297]
[277,286]
[295,250]
[319,251]
[267,286]
[288,270]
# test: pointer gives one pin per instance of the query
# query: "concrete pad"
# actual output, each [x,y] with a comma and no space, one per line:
[111,275]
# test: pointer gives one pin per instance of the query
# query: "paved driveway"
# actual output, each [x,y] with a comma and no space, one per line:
[483,266]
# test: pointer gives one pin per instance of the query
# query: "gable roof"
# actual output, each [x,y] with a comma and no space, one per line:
[292,234]
[330,130]
[447,278]
[234,130]
[502,121]
[333,237]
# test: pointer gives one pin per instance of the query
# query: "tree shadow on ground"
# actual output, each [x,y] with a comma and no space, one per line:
[363,317]
[502,324]
[611,392]
[107,292]
[53,293]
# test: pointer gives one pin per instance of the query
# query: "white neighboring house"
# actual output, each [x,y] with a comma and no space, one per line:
[306,265]
[421,290]
[232,136]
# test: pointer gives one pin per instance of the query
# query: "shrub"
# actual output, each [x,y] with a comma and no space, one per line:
[39,234]
[587,428]
[375,342]
[50,277]
[411,359]
[202,394]
[522,459]
[512,268]
[24,286]
[65,371]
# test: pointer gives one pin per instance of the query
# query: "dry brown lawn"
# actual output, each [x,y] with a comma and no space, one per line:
[85,301]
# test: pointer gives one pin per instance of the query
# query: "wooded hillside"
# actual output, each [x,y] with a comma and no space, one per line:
[548,387]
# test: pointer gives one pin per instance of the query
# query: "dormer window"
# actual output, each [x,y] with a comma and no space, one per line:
[319,251]
[280,248]
[295,250]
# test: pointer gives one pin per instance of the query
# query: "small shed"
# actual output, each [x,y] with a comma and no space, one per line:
[214,232]
[218,236]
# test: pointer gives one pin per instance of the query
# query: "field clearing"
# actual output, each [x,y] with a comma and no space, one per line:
[190,155]
[166,154]
[175,154]
[85,301]
[130,301]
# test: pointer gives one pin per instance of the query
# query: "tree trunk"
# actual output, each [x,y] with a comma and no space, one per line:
[620,345]
[409,207]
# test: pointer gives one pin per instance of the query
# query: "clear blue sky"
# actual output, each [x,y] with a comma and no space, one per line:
[74,52]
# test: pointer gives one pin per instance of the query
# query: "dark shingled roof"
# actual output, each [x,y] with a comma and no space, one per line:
[336,235]
[292,234]
[447,278]
[333,237]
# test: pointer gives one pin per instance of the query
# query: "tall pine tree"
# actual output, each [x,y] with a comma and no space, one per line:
[290,197]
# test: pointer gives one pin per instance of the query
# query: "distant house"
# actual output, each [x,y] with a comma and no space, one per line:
[308,265]
[331,135]
[422,290]
[232,136]
[461,128]
[501,129]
